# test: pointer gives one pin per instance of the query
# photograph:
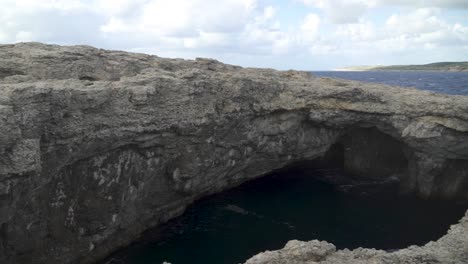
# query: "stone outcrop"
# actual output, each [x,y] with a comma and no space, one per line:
[450,249]
[97,146]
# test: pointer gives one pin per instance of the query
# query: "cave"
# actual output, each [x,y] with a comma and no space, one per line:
[292,203]
[101,149]
[351,197]
[369,153]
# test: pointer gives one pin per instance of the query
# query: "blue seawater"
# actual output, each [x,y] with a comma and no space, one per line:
[455,83]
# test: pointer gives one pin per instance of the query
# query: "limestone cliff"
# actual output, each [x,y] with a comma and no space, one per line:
[97,146]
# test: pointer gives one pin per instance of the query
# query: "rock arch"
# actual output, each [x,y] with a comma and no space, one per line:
[85,166]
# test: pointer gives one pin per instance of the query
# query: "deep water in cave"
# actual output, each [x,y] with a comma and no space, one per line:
[264,214]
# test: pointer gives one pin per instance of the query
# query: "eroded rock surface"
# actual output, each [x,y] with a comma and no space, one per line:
[97,146]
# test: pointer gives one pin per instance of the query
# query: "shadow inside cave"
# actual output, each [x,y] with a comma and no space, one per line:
[306,200]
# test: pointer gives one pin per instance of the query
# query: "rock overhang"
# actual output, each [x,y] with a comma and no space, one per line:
[84,129]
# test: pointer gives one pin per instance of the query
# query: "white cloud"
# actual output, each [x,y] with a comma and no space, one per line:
[426,3]
[311,23]
[341,11]
[59,23]
[269,12]
[117,7]
[351,11]
[408,31]
[253,31]
[34,6]
[183,18]
[403,33]
[423,27]
[338,4]
[309,30]
[182,24]
[357,32]
[419,21]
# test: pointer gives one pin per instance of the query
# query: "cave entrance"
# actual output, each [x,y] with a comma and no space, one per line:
[292,203]
[369,153]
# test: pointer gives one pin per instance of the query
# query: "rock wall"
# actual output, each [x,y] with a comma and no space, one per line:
[97,146]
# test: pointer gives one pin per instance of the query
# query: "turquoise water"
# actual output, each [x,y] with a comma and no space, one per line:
[264,214]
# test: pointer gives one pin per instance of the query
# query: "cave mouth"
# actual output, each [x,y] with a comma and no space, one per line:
[293,203]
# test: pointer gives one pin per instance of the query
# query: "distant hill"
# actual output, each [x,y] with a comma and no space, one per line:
[438,66]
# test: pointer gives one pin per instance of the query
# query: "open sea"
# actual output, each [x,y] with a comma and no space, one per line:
[263,214]
[439,82]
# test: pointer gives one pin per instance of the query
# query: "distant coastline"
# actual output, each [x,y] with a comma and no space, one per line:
[438,66]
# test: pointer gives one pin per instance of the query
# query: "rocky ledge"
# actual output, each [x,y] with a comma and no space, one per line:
[98,146]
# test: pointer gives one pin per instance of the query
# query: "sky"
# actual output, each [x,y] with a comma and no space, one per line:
[288,34]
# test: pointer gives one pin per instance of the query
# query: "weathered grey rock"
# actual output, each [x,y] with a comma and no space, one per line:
[97,146]
[450,249]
